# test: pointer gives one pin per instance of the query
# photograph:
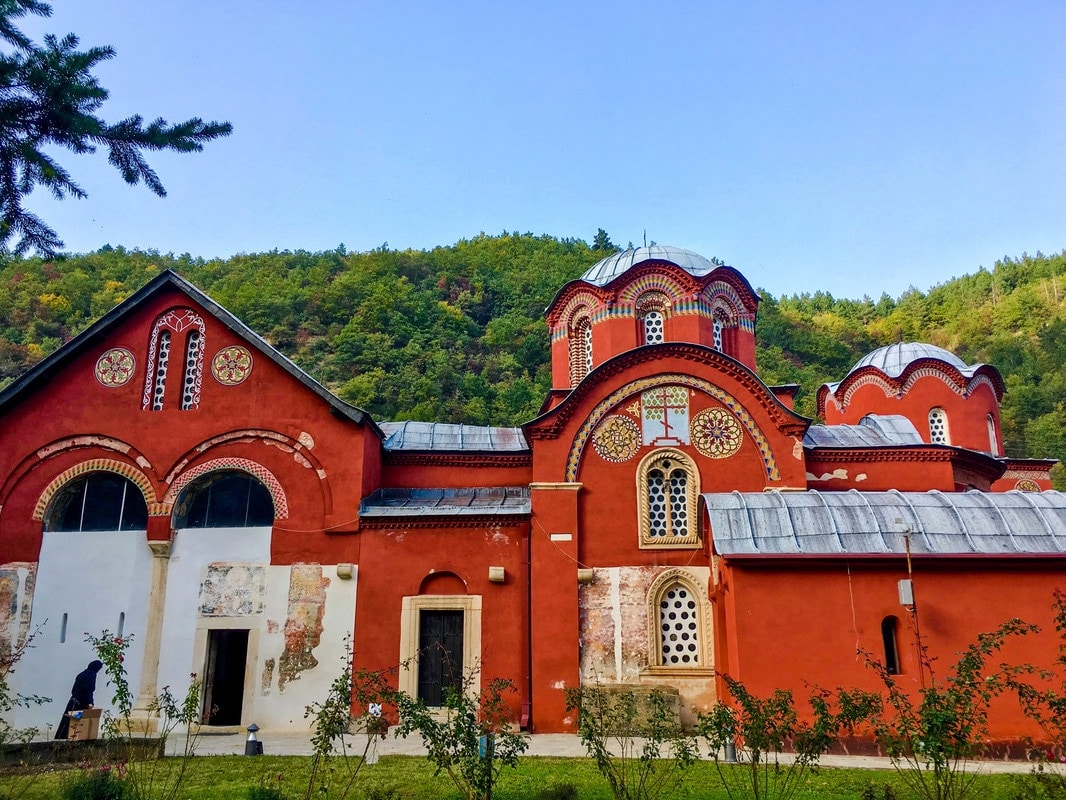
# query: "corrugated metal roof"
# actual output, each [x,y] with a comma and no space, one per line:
[480,501]
[893,359]
[603,272]
[873,430]
[876,523]
[450,437]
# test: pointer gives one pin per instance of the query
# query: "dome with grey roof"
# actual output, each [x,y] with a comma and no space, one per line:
[894,359]
[603,272]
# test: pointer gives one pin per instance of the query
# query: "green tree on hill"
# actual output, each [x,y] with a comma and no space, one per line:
[49,97]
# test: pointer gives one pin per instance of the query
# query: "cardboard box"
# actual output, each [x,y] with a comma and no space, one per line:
[85,724]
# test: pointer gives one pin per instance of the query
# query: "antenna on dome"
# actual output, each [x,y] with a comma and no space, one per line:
[645,237]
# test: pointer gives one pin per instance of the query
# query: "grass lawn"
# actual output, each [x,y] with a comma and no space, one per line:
[412,778]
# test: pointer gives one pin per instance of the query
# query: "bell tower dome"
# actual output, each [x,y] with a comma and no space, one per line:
[648,296]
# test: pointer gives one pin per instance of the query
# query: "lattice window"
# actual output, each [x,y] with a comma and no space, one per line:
[653,327]
[668,487]
[191,381]
[993,440]
[938,427]
[580,349]
[717,327]
[167,332]
[163,360]
[679,626]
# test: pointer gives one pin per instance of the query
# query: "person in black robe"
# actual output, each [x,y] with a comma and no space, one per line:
[81,696]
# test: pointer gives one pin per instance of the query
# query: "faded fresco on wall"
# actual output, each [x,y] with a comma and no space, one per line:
[232,590]
[17,582]
[303,621]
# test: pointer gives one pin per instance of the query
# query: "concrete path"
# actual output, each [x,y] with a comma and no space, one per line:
[564,745]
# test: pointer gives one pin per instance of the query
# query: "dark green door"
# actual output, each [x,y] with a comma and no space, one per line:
[440,654]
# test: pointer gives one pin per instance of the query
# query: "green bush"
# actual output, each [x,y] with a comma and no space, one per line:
[99,784]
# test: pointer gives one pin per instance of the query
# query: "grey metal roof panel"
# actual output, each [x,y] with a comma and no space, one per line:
[878,523]
[450,437]
[873,430]
[603,272]
[895,428]
[478,501]
[893,359]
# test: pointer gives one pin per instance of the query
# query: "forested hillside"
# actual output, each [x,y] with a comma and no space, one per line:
[458,334]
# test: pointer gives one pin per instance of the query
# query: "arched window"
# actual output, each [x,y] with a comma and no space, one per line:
[162,362]
[676,613]
[580,349]
[224,499]
[890,640]
[192,375]
[183,330]
[98,501]
[667,490]
[938,426]
[993,440]
[652,324]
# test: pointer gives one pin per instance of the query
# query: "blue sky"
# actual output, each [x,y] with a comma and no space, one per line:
[852,147]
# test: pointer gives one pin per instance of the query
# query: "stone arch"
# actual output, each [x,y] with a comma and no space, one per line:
[651,282]
[581,439]
[128,471]
[253,468]
[443,582]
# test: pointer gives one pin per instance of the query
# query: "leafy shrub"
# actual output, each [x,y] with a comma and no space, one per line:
[635,739]
[471,738]
[558,791]
[762,728]
[99,784]
[933,737]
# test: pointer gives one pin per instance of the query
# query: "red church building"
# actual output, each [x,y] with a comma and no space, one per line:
[668,517]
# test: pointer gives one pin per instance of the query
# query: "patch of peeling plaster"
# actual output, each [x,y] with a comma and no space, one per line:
[17,581]
[614,624]
[303,621]
[797,450]
[860,477]
[306,439]
[268,677]
[835,475]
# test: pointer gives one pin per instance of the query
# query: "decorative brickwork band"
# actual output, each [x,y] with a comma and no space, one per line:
[257,471]
[577,447]
[129,471]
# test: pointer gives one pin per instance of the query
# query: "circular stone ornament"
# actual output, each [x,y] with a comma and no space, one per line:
[716,433]
[115,367]
[617,439]
[231,365]
[1026,485]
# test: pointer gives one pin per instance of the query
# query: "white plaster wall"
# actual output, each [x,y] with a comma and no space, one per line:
[274,708]
[93,577]
[182,650]
[192,551]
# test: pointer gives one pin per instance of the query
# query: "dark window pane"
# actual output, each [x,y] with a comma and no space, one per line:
[103,502]
[225,500]
[65,514]
[134,510]
[260,505]
[228,507]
